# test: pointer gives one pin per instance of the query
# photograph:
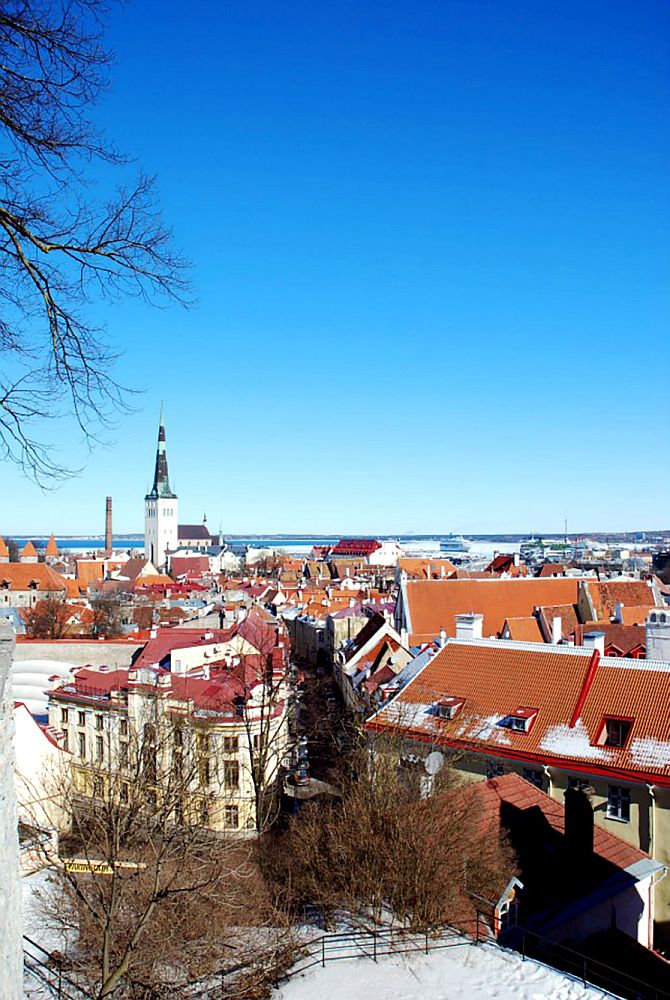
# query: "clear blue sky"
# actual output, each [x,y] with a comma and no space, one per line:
[431,250]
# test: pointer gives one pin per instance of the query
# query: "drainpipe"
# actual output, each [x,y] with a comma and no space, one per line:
[547,771]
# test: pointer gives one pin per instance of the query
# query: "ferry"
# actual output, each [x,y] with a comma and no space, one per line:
[454,545]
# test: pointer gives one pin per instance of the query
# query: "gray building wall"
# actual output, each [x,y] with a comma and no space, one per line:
[81,654]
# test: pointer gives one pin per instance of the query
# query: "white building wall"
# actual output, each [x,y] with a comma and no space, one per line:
[11,922]
[161,518]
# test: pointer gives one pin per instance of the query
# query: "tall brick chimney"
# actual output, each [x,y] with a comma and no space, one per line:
[108,527]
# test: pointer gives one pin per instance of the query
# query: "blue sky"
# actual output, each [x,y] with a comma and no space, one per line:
[430,249]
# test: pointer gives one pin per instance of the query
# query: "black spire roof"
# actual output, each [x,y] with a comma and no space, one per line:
[161,488]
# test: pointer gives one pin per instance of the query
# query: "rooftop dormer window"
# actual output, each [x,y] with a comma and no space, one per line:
[614,732]
[520,720]
[447,708]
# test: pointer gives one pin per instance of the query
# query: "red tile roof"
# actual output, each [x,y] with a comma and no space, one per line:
[434,604]
[571,688]
[488,796]
[355,547]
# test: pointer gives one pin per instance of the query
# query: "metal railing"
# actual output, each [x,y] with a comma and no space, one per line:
[47,969]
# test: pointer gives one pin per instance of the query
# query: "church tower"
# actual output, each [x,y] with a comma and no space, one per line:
[161,508]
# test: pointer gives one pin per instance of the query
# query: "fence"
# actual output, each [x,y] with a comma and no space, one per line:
[47,970]
[374,944]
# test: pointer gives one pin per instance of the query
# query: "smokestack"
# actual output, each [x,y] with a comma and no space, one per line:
[108,527]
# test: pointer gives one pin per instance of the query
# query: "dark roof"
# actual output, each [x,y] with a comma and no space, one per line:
[198,531]
[161,486]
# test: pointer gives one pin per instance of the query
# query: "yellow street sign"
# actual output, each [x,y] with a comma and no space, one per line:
[88,867]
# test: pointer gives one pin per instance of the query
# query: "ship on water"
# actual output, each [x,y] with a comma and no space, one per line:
[455,546]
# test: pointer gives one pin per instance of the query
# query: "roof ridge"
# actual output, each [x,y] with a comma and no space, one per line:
[532,647]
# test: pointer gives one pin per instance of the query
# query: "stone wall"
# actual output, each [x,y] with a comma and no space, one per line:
[79,652]
[11,925]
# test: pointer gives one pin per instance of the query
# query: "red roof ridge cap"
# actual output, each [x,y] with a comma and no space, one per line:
[586,687]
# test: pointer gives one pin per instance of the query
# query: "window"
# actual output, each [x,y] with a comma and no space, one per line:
[66,740]
[123,753]
[615,732]
[535,777]
[447,708]
[204,811]
[99,723]
[123,727]
[81,718]
[521,720]
[204,769]
[98,788]
[494,769]
[124,792]
[64,716]
[82,745]
[257,741]
[618,803]
[231,774]
[231,744]
[232,817]
[98,748]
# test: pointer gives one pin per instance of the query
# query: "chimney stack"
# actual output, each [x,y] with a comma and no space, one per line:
[595,640]
[108,527]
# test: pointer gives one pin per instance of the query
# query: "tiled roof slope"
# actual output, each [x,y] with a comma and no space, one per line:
[516,791]
[606,594]
[571,688]
[21,576]
[434,604]
[524,629]
[566,612]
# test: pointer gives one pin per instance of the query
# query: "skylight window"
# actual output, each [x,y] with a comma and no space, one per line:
[521,720]
[447,708]
[614,732]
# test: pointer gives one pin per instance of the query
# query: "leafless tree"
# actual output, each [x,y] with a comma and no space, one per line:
[168,891]
[266,724]
[47,619]
[61,247]
[382,853]
[107,615]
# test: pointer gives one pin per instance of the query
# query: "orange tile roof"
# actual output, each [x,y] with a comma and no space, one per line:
[28,550]
[426,569]
[605,595]
[90,571]
[434,604]
[635,615]
[4,551]
[20,576]
[572,689]
[52,548]
[566,612]
[524,629]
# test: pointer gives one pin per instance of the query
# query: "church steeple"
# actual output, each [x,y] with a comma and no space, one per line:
[161,486]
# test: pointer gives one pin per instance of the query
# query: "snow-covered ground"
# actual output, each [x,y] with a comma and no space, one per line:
[452,974]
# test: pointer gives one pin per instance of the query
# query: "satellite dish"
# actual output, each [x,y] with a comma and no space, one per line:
[434,762]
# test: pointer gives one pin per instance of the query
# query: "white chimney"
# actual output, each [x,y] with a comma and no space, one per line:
[516,558]
[556,629]
[442,638]
[595,640]
[469,626]
[442,572]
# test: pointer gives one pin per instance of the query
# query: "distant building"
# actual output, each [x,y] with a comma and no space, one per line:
[161,509]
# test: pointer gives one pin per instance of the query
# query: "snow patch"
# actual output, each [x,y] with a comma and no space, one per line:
[650,753]
[456,973]
[572,742]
